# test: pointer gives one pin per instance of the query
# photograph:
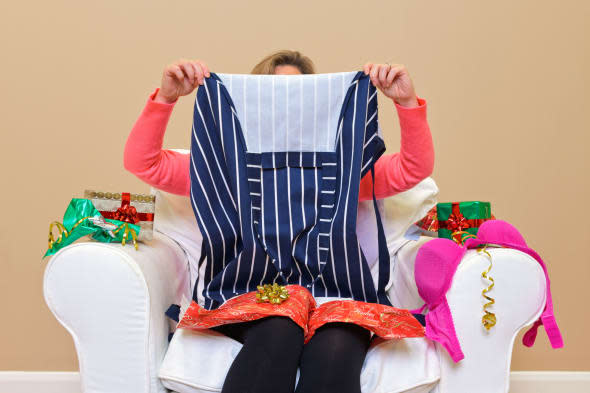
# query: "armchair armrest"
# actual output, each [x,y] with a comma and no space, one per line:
[112,300]
[519,294]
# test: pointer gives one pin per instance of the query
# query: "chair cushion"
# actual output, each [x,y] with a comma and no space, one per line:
[198,361]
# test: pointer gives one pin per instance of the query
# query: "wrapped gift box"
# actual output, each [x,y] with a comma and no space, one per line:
[456,217]
[460,218]
[429,223]
[123,206]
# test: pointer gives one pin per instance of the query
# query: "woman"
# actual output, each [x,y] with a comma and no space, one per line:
[273,346]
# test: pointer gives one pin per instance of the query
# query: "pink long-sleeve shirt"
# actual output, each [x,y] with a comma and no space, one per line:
[168,170]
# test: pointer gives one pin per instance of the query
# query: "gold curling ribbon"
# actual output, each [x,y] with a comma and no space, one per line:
[273,294]
[489,318]
[126,233]
[63,231]
[466,234]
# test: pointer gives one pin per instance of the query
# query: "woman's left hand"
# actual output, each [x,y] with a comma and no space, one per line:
[394,81]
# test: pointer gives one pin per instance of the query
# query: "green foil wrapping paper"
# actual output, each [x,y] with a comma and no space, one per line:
[99,229]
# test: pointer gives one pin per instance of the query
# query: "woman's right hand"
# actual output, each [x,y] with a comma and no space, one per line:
[181,78]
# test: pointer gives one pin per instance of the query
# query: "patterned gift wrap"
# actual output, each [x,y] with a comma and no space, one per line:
[456,220]
[133,208]
[246,307]
[429,223]
[387,322]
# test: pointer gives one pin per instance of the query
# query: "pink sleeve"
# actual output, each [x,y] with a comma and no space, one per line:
[166,170]
[414,162]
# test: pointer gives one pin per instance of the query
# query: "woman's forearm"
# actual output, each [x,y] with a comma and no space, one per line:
[143,156]
[414,162]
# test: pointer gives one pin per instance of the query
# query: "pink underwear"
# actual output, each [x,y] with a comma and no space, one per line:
[436,263]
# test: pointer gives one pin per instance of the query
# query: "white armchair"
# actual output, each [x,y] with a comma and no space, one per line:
[112,300]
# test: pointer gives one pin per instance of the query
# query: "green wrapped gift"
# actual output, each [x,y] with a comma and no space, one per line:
[457,220]
[81,218]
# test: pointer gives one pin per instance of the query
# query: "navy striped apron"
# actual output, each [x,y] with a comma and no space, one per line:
[288,214]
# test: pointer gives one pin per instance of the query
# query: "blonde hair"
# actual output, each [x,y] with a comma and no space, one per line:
[284,57]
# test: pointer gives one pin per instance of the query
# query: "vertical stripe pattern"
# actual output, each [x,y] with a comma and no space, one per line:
[274,210]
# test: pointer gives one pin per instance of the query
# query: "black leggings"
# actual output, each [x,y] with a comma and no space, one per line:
[273,349]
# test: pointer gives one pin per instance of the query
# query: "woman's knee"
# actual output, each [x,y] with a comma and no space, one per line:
[332,361]
[341,338]
[276,334]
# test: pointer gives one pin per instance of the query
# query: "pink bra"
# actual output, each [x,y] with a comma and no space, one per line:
[436,263]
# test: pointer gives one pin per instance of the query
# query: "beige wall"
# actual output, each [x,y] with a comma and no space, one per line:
[506,84]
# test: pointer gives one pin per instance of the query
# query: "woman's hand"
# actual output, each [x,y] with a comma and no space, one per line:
[394,81]
[181,78]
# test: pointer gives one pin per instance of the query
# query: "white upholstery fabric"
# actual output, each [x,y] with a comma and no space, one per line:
[403,292]
[408,365]
[519,292]
[174,217]
[112,300]
[199,361]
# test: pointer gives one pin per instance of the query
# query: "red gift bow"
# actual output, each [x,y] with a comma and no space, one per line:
[126,212]
[458,222]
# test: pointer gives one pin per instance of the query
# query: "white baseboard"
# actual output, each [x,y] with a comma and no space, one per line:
[40,381]
[520,382]
[549,381]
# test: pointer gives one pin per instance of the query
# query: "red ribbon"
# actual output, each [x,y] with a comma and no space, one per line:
[127,213]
